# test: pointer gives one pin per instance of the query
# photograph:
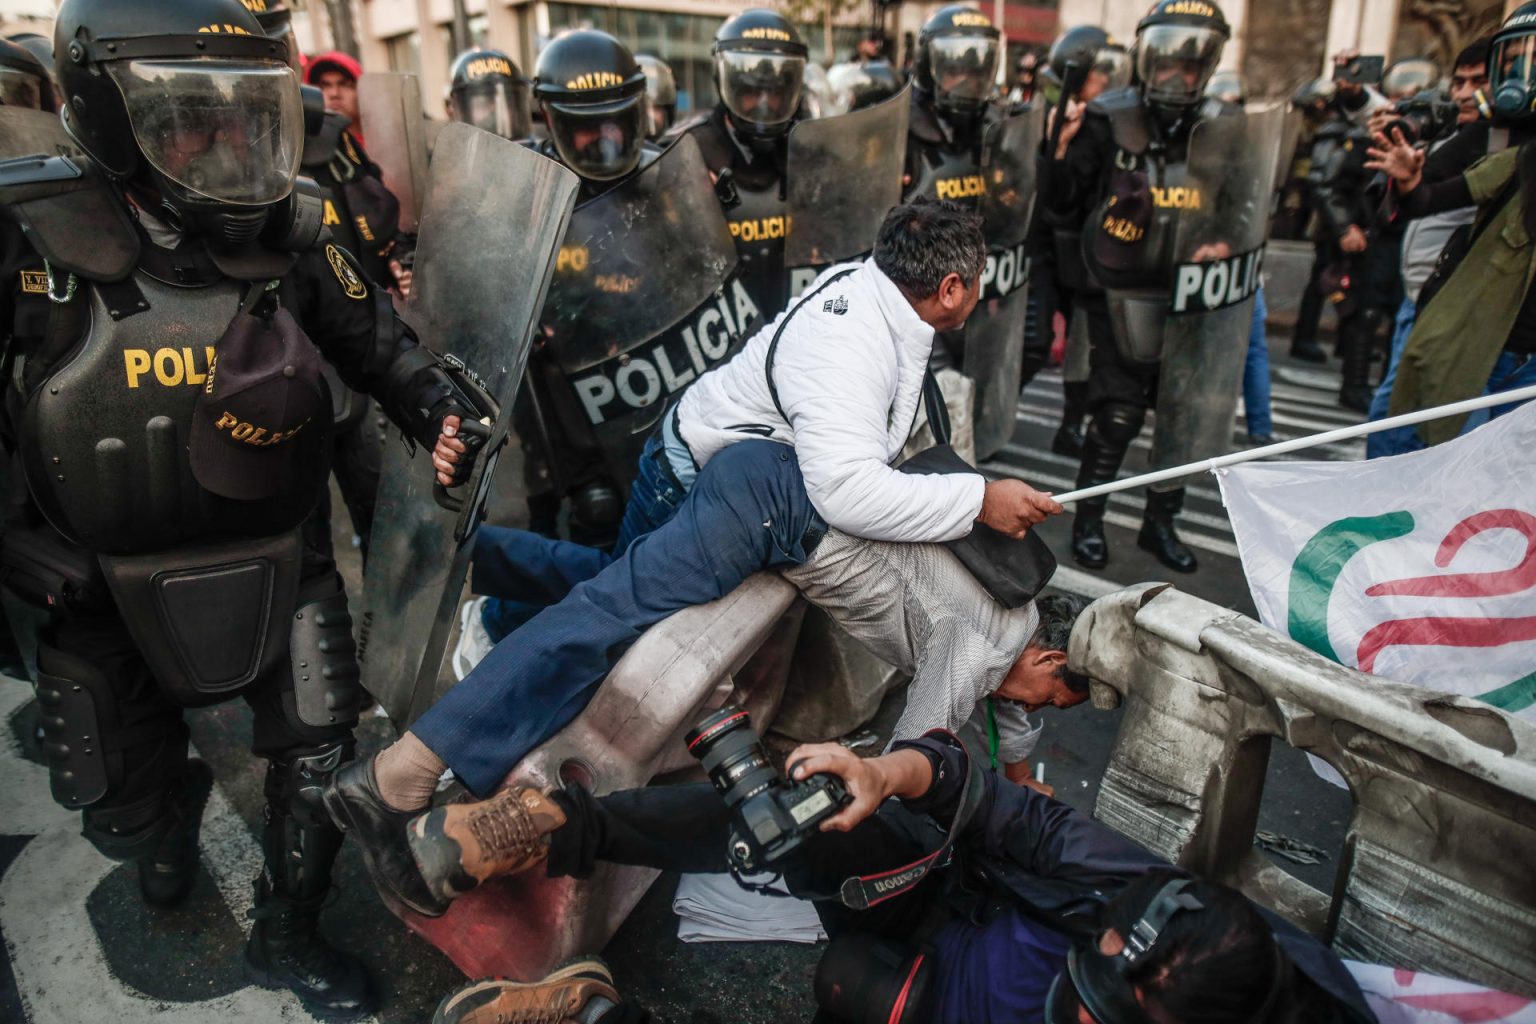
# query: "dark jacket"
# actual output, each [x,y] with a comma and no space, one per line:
[1061,866]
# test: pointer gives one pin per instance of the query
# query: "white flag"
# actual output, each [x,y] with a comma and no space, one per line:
[1419,567]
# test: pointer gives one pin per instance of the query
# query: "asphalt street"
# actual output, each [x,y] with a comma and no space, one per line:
[81,947]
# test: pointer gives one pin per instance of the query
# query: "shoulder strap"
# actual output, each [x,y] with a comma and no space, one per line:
[773,345]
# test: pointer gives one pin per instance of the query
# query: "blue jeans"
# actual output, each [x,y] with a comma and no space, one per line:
[1402,439]
[1509,373]
[1256,373]
[523,572]
[747,511]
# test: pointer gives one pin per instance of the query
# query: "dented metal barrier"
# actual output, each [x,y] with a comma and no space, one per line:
[1437,868]
[735,649]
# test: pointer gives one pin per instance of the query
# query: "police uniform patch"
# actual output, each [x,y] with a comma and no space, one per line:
[34,282]
[350,282]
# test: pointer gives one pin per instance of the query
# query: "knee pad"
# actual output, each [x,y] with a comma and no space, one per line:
[597,505]
[83,740]
[327,681]
[130,830]
[1116,424]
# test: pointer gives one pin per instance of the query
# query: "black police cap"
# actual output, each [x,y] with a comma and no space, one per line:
[760,29]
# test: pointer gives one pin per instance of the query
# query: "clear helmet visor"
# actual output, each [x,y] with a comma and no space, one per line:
[1512,76]
[599,143]
[1174,62]
[964,69]
[228,131]
[19,89]
[1115,65]
[760,89]
[495,104]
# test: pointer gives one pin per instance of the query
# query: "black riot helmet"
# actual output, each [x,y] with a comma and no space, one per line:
[1408,77]
[1163,922]
[1178,45]
[759,71]
[1512,68]
[660,93]
[23,79]
[277,22]
[957,55]
[1089,46]
[189,96]
[488,91]
[593,96]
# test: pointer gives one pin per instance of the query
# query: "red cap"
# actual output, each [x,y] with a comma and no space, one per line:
[332,60]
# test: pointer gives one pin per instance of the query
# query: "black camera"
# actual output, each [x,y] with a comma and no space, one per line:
[773,814]
[1424,117]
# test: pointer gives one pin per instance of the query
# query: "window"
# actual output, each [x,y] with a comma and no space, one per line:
[682,40]
[404,52]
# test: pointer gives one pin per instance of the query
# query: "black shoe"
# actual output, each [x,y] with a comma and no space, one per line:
[285,950]
[1089,548]
[1068,441]
[1158,535]
[1357,397]
[167,874]
[1308,352]
[352,800]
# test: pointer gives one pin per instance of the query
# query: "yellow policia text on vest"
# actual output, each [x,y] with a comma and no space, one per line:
[172,367]
[1176,198]
[351,283]
[482,66]
[251,434]
[573,259]
[363,230]
[968,187]
[595,80]
[760,229]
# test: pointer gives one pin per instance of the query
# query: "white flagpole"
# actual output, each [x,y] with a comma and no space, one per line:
[1300,443]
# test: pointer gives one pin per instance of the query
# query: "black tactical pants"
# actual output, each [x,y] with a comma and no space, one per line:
[141,731]
[1118,389]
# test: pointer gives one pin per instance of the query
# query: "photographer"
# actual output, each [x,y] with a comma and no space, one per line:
[1476,327]
[987,936]
[1447,155]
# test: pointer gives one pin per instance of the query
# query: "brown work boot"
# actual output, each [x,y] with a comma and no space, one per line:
[581,990]
[461,845]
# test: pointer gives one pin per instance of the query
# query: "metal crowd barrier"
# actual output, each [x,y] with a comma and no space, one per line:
[1437,867]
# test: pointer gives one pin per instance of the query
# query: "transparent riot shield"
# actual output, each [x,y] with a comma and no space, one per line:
[492,220]
[28,132]
[993,351]
[1218,264]
[390,105]
[642,301]
[843,175]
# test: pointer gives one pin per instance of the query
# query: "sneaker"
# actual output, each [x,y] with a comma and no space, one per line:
[474,642]
[459,846]
[581,990]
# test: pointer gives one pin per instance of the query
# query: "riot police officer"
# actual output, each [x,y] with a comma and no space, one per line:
[953,80]
[759,66]
[1117,166]
[169,480]
[660,94]
[487,90]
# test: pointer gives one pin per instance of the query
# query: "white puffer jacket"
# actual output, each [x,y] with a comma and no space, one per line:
[849,373]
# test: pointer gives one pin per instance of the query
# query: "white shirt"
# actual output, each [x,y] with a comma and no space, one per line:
[849,373]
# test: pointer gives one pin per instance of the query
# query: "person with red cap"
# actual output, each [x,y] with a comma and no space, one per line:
[336,74]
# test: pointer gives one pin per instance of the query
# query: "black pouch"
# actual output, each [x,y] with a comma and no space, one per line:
[868,979]
[44,569]
[1012,571]
[375,212]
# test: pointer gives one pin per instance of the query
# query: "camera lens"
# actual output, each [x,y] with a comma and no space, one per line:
[731,753]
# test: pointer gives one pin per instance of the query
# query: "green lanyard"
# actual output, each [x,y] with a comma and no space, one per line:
[992,740]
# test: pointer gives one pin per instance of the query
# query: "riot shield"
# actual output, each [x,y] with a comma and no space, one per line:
[492,220]
[390,105]
[993,351]
[1219,256]
[28,132]
[843,175]
[643,301]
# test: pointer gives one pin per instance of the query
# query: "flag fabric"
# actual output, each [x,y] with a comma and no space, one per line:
[1419,568]
[1400,996]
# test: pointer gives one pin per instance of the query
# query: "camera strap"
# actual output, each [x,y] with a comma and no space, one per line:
[860,892]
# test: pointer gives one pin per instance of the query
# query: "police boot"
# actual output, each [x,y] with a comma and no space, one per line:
[1356,339]
[1100,465]
[1157,533]
[1069,436]
[166,875]
[286,949]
